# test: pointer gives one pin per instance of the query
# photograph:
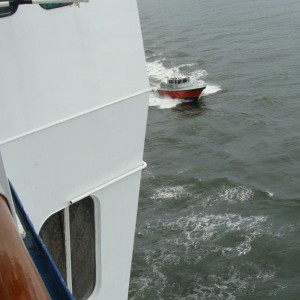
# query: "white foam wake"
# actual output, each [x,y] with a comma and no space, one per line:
[211,89]
[162,103]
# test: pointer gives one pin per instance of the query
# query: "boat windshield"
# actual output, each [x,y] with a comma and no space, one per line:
[178,80]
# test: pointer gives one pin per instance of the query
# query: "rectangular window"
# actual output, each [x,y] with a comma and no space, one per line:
[69,236]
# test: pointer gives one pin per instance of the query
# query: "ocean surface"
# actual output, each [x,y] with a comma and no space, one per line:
[219,209]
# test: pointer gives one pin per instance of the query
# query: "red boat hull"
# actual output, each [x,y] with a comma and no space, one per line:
[191,94]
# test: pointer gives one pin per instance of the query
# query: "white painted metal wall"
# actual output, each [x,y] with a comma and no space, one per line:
[73,110]
[66,61]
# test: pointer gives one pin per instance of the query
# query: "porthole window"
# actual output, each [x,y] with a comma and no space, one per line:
[69,236]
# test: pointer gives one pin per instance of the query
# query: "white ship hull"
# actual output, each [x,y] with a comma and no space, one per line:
[67,132]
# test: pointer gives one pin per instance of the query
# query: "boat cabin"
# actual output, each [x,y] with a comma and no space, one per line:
[178,80]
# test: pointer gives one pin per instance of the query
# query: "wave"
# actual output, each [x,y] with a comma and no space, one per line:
[170,192]
[191,242]
[234,194]
[191,237]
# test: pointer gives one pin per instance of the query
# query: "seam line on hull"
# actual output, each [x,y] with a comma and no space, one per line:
[73,117]
[118,178]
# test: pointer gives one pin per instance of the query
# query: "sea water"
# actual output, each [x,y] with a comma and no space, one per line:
[219,210]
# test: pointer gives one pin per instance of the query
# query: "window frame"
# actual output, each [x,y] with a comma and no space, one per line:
[67,239]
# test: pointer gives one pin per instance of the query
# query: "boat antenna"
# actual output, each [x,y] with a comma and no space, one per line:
[174,73]
[174,76]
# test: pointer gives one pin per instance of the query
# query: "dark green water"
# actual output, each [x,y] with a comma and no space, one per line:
[219,210]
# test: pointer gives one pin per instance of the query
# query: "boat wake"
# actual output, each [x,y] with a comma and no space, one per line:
[157,73]
[215,250]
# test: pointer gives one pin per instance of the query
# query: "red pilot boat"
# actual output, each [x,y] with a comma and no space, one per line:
[181,87]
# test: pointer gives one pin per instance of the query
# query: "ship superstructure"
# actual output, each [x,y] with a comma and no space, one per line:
[71,139]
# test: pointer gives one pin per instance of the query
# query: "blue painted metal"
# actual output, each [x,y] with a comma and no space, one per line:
[44,263]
